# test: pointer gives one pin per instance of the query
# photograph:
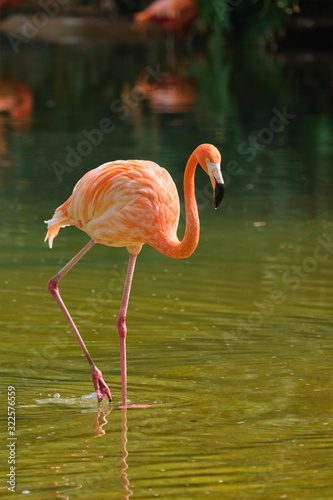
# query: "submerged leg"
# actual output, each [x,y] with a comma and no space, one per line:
[121,326]
[100,386]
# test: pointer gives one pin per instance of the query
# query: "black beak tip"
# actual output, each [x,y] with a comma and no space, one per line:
[218,193]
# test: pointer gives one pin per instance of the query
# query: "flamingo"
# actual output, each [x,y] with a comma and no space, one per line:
[126,204]
[171,15]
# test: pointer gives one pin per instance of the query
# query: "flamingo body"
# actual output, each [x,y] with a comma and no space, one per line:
[171,15]
[129,203]
[122,204]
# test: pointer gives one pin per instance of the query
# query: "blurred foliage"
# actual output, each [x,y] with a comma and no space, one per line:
[252,21]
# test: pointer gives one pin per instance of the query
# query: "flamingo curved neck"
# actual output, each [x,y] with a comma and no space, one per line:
[183,249]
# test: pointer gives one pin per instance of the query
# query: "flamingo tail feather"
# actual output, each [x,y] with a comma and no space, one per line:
[59,220]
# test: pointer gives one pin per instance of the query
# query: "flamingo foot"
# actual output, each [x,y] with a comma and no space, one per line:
[101,388]
[134,406]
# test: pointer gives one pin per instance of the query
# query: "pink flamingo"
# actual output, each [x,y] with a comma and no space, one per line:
[171,15]
[126,204]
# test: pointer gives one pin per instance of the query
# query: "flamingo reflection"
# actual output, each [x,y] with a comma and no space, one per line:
[64,485]
[16,101]
[173,94]
[99,422]
[125,484]
[16,106]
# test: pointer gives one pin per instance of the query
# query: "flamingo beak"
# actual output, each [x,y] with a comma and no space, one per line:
[218,192]
[214,172]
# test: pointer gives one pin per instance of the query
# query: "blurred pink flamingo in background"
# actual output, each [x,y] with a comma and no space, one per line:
[9,4]
[171,15]
[16,110]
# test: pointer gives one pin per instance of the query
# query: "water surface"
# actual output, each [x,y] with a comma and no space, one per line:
[231,347]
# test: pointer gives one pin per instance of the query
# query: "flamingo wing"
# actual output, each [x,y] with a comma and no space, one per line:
[122,203]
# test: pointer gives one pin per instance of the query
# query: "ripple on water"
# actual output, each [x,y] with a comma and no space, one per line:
[87,401]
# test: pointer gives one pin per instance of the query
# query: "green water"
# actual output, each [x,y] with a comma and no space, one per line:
[231,347]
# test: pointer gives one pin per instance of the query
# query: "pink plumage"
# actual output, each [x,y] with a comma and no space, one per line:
[121,203]
[126,204]
[171,15]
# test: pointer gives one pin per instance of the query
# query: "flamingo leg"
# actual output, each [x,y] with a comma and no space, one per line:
[100,386]
[121,326]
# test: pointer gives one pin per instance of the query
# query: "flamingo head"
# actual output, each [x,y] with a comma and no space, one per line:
[209,159]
